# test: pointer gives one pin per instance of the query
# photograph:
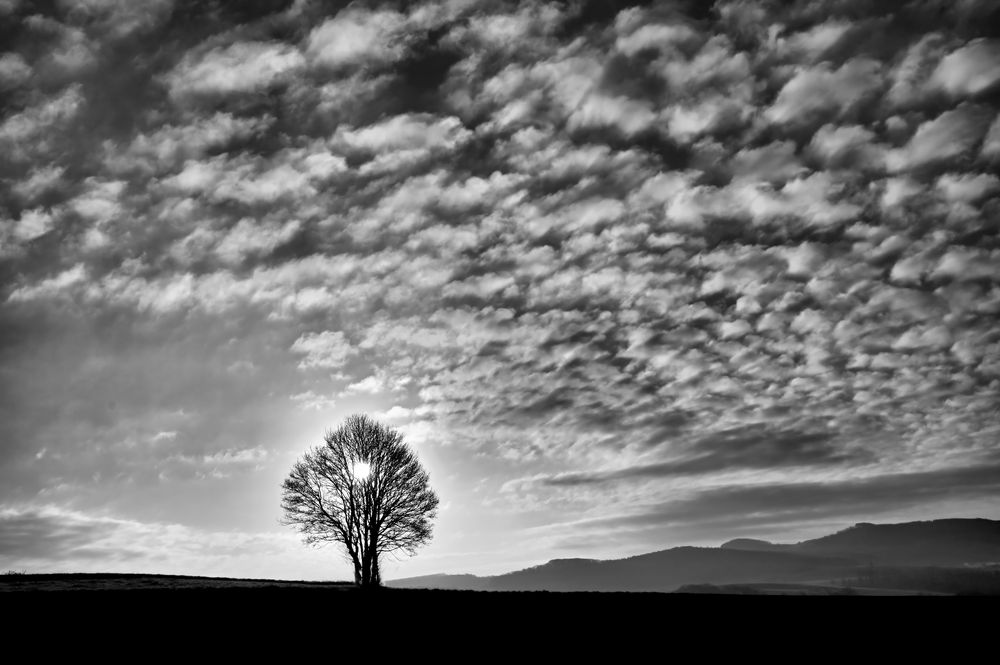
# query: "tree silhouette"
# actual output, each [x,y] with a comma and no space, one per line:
[365,489]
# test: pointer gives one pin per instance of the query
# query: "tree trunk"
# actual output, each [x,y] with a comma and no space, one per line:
[373,571]
[357,569]
[369,571]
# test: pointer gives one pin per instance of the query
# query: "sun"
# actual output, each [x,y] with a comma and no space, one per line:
[361,470]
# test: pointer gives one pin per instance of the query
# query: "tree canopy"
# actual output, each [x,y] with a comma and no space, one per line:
[363,488]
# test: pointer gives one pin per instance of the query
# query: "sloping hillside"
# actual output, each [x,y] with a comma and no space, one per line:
[839,556]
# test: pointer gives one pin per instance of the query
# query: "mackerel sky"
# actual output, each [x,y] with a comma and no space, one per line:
[627,275]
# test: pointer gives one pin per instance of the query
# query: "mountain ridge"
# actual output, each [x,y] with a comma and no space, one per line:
[842,555]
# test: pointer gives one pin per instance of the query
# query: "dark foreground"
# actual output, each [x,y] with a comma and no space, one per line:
[146,607]
[69,586]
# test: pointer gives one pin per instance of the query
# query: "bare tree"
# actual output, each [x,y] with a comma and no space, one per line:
[365,489]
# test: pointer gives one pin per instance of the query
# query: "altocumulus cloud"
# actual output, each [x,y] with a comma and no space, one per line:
[630,268]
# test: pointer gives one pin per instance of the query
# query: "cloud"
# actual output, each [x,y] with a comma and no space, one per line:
[528,26]
[310,400]
[13,71]
[814,199]
[847,146]
[253,455]
[171,145]
[823,92]
[898,190]
[328,349]
[39,182]
[910,77]
[32,224]
[33,131]
[738,448]
[37,534]
[248,238]
[71,51]
[101,201]
[370,384]
[402,133]
[819,39]
[937,336]
[968,264]
[942,139]
[967,188]
[970,70]
[991,144]
[626,114]
[52,286]
[51,539]
[651,35]
[242,67]
[711,115]
[252,181]
[357,37]
[775,162]
[763,504]
[715,66]
[118,18]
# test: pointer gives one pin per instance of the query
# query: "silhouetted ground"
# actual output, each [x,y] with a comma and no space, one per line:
[875,582]
[138,616]
[878,581]
[778,589]
[95,582]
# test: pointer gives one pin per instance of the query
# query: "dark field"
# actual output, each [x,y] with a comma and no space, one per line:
[887,582]
[100,582]
[111,617]
[117,592]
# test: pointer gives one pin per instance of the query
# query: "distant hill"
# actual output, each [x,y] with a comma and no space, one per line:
[754,545]
[669,569]
[442,581]
[658,571]
[950,542]
[839,556]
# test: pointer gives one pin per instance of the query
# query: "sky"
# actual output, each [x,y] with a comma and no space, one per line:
[626,275]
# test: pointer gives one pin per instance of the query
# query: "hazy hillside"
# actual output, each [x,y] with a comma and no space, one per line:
[669,569]
[752,544]
[658,571]
[938,542]
[466,582]
[838,556]
[951,542]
